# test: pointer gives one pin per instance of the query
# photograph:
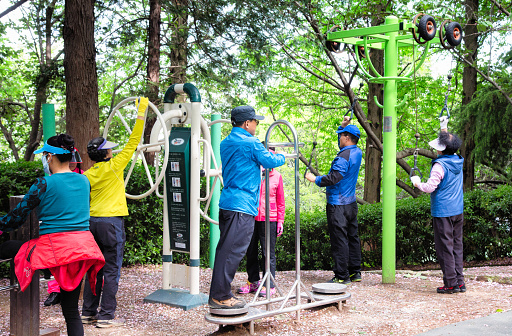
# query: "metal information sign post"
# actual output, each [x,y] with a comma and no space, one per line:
[177,183]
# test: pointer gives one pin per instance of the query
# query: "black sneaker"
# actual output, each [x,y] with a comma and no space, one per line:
[462,288]
[356,277]
[231,303]
[448,290]
[47,274]
[53,299]
[340,281]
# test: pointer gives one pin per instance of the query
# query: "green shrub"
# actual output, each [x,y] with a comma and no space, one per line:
[487,232]
[487,227]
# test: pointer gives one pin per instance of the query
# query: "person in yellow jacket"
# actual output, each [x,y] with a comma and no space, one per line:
[108,206]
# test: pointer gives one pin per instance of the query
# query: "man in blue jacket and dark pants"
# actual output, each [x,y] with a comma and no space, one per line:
[446,206]
[341,208]
[242,154]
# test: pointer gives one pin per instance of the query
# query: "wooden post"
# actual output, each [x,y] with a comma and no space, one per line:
[24,319]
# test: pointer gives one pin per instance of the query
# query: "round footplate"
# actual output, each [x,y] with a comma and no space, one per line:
[329,288]
[229,312]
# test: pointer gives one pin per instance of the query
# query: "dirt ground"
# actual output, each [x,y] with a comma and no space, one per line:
[408,307]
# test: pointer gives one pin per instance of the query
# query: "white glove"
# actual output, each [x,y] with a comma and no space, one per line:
[443,121]
[415,180]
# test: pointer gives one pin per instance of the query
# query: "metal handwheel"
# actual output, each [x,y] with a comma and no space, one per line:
[124,109]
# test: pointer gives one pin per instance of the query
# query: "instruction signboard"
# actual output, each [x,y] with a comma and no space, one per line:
[177,179]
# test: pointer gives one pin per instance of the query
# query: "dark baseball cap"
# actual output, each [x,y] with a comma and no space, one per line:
[352,129]
[243,113]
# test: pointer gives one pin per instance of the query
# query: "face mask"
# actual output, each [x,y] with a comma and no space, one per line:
[46,166]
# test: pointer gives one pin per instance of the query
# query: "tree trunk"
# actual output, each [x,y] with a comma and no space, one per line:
[153,68]
[373,157]
[179,46]
[82,107]
[469,87]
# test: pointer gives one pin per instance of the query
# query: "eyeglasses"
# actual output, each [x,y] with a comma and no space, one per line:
[257,121]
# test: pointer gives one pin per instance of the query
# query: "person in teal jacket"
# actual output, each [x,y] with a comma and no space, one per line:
[242,154]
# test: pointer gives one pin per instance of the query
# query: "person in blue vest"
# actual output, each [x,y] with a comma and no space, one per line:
[446,206]
[242,154]
[341,207]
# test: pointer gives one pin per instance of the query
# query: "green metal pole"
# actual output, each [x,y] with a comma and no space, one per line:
[389,165]
[214,204]
[48,121]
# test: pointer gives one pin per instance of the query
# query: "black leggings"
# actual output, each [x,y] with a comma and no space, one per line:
[68,300]
[69,303]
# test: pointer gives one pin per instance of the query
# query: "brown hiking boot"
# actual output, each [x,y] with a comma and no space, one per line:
[231,303]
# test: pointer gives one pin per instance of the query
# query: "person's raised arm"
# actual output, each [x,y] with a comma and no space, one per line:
[121,160]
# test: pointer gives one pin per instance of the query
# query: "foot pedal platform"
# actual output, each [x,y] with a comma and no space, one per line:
[329,288]
[229,312]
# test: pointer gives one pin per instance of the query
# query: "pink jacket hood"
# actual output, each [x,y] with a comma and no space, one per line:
[276,198]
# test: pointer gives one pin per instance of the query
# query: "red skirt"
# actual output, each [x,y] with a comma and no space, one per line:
[68,256]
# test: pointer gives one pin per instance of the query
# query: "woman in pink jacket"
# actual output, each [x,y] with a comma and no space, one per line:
[276,212]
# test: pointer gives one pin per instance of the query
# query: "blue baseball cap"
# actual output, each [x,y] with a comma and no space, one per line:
[243,113]
[51,149]
[352,129]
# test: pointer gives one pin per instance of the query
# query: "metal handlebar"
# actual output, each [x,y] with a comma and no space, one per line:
[284,144]
[445,107]
[415,167]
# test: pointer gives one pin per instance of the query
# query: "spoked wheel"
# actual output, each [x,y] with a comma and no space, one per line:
[450,34]
[123,116]
[426,28]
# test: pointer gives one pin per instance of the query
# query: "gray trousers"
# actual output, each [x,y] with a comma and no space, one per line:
[448,242]
[110,237]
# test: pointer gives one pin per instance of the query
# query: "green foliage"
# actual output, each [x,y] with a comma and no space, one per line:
[315,246]
[494,115]
[16,178]
[487,227]
[144,224]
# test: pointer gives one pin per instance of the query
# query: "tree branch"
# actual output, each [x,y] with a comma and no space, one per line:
[301,157]
[124,81]
[13,7]
[410,151]
[501,9]
[490,182]
[414,192]
[487,78]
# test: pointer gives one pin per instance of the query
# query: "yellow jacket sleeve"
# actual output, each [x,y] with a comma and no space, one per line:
[107,179]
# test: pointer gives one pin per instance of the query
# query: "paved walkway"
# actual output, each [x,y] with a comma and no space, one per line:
[497,324]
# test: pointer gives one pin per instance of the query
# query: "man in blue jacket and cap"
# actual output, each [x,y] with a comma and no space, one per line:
[446,207]
[341,208]
[242,154]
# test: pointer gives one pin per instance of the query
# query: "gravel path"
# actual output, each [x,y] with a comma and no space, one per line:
[408,307]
